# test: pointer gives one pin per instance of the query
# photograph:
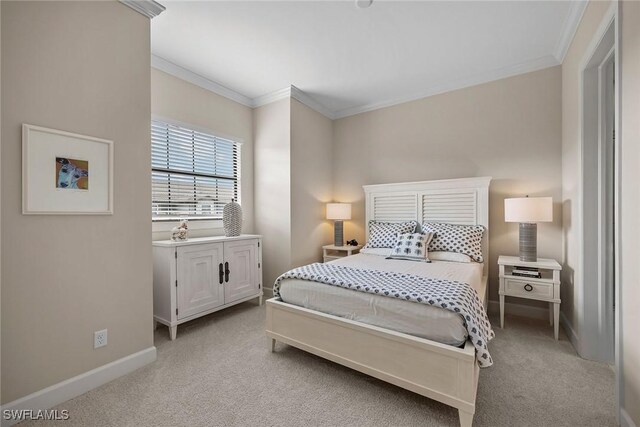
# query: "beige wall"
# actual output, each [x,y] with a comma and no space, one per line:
[176,99]
[509,129]
[293,181]
[81,67]
[311,183]
[273,186]
[630,205]
[571,155]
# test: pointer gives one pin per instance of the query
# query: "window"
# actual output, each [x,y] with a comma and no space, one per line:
[194,174]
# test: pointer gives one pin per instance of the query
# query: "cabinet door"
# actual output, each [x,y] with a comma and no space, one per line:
[199,287]
[242,256]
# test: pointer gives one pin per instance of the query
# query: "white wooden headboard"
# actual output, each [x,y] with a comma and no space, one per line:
[462,201]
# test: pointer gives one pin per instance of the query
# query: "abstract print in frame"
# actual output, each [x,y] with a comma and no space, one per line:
[65,173]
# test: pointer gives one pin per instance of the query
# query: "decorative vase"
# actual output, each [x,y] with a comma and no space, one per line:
[232,219]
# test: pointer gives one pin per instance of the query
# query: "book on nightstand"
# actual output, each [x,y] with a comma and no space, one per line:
[530,272]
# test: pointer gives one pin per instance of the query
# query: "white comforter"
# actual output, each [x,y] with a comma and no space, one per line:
[403,316]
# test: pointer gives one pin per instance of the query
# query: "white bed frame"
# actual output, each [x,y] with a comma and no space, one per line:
[441,372]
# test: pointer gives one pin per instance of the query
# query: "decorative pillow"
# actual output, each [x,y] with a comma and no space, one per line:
[449,256]
[463,239]
[412,247]
[383,234]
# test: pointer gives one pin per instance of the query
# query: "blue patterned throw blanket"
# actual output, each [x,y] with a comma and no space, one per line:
[453,296]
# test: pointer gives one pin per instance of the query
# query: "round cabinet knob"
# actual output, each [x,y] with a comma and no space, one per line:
[528,287]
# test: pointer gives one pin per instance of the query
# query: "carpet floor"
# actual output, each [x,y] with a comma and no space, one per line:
[219,373]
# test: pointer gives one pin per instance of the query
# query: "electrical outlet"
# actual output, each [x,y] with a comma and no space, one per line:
[100,338]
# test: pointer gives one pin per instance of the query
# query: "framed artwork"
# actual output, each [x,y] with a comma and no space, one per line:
[65,173]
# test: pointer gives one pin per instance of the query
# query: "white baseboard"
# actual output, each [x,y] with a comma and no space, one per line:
[268,293]
[73,387]
[568,328]
[520,310]
[625,419]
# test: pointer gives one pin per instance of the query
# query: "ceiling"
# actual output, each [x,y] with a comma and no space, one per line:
[346,60]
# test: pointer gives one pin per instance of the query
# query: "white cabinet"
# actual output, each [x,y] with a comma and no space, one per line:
[203,275]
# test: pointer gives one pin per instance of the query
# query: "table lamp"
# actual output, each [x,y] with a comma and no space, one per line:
[528,211]
[338,212]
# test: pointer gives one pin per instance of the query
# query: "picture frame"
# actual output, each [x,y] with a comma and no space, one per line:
[65,173]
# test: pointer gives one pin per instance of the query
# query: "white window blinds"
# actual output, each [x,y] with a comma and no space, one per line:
[194,174]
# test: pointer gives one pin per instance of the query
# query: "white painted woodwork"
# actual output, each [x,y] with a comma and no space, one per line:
[441,372]
[186,276]
[394,207]
[463,201]
[243,266]
[66,390]
[333,252]
[547,288]
[451,207]
[528,288]
[438,371]
[148,8]
[598,200]
[197,267]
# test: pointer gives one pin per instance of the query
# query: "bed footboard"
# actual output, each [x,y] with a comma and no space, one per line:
[438,371]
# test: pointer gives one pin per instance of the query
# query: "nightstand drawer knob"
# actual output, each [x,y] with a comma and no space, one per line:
[528,287]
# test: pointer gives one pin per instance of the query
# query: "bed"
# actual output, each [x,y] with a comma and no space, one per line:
[424,351]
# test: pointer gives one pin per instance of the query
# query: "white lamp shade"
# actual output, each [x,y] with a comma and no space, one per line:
[339,211]
[528,209]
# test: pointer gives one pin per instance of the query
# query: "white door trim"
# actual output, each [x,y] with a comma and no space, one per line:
[617,231]
[611,18]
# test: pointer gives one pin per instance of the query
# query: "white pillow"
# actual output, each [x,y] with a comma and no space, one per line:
[411,247]
[376,251]
[449,256]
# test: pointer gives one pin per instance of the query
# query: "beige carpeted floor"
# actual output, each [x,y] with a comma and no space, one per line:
[219,373]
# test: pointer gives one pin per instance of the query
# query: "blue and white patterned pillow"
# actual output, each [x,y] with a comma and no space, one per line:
[412,247]
[463,239]
[383,234]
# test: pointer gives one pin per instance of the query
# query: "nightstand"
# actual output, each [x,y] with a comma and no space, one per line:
[333,252]
[545,288]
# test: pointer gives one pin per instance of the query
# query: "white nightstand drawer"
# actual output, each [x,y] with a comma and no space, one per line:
[332,258]
[528,289]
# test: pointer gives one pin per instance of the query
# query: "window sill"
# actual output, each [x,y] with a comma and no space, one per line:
[201,224]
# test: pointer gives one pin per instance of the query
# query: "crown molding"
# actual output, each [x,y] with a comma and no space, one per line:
[270,97]
[569,28]
[307,100]
[298,94]
[148,8]
[295,93]
[182,73]
[288,92]
[501,73]
[198,80]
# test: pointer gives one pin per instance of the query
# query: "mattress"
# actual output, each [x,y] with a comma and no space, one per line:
[408,317]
